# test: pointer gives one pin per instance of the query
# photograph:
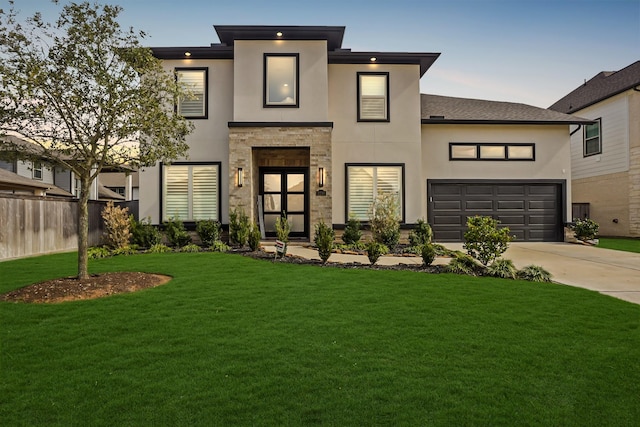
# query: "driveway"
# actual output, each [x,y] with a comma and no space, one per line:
[609,272]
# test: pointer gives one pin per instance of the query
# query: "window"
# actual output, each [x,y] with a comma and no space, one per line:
[592,138]
[373,97]
[118,190]
[281,75]
[491,151]
[195,80]
[37,170]
[78,187]
[191,192]
[365,182]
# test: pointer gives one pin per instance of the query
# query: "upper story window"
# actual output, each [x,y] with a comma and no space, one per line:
[281,79]
[194,80]
[593,138]
[373,97]
[491,151]
[37,170]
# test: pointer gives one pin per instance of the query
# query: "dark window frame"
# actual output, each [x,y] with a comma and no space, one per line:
[161,187]
[478,157]
[402,192]
[387,119]
[265,91]
[206,91]
[584,138]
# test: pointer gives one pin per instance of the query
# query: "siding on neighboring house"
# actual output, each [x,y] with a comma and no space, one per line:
[26,169]
[615,139]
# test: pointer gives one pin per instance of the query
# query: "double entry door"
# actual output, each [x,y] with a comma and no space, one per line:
[285,191]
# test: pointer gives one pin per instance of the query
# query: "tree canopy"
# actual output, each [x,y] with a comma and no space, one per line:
[88,93]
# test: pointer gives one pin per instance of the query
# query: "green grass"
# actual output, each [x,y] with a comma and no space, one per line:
[236,341]
[620,244]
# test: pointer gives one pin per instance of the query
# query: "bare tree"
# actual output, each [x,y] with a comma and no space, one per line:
[88,94]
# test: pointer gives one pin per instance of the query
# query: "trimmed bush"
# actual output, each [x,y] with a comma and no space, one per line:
[209,231]
[143,233]
[585,229]
[191,247]
[463,264]
[352,233]
[384,219]
[254,237]
[176,233]
[159,248]
[503,268]
[534,273]
[428,254]
[323,240]
[219,246]
[484,240]
[375,250]
[239,227]
[98,252]
[421,235]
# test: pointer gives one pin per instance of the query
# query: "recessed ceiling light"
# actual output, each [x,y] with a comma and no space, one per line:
[286,85]
[187,54]
[279,34]
[373,59]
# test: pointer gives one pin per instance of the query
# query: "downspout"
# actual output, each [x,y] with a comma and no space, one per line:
[636,88]
[576,130]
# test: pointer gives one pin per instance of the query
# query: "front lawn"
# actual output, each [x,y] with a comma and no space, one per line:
[620,244]
[237,341]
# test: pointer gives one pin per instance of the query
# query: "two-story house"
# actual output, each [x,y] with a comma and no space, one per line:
[287,120]
[605,155]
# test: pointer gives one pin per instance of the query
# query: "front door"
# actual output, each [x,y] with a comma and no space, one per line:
[285,190]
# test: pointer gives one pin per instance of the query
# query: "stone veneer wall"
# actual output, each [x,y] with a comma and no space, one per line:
[242,141]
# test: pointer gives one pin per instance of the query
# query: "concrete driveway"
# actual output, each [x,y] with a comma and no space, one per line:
[609,272]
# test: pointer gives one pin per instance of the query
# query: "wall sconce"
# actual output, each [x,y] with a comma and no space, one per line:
[240,177]
[320,177]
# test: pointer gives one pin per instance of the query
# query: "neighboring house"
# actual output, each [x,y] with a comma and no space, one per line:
[286,120]
[605,155]
[125,184]
[58,181]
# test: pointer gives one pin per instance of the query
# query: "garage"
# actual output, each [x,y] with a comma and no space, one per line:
[533,210]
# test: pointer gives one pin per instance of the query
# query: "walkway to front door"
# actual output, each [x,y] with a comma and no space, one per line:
[285,190]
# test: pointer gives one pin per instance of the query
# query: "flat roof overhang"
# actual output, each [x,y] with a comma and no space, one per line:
[425,60]
[228,34]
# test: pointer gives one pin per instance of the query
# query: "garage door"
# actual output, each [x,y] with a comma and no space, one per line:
[532,211]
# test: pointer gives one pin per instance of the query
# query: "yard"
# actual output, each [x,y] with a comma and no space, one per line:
[237,341]
[620,244]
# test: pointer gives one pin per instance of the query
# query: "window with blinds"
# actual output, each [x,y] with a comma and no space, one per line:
[366,182]
[194,80]
[190,192]
[373,97]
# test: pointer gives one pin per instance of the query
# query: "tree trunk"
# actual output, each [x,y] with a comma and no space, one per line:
[83,229]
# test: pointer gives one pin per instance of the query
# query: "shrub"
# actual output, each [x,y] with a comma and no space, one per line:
[191,247]
[239,227]
[209,231]
[159,248]
[585,229]
[176,233]
[324,240]
[143,233]
[428,253]
[534,273]
[384,219]
[375,250]
[421,235]
[483,240]
[254,237]
[503,268]
[117,226]
[127,250]
[98,252]
[463,264]
[441,250]
[352,233]
[219,246]
[283,228]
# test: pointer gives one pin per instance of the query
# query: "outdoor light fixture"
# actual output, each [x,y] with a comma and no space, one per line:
[373,59]
[321,177]
[240,177]
[279,34]
[187,54]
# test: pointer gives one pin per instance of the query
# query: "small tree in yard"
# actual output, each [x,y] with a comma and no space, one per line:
[323,239]
[87,93]
[118,226]
[384,217]
[484,240]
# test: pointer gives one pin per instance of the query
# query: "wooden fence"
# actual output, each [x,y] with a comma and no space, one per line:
[32,225]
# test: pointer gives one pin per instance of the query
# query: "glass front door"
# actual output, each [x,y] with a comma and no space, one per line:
[285,190]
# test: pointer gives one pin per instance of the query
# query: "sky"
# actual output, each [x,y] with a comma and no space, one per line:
[526,51]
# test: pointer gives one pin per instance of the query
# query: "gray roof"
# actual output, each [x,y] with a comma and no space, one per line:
[12,181]
[602,86]
[445,109]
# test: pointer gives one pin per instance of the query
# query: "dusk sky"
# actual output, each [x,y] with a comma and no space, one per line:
[528,51]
